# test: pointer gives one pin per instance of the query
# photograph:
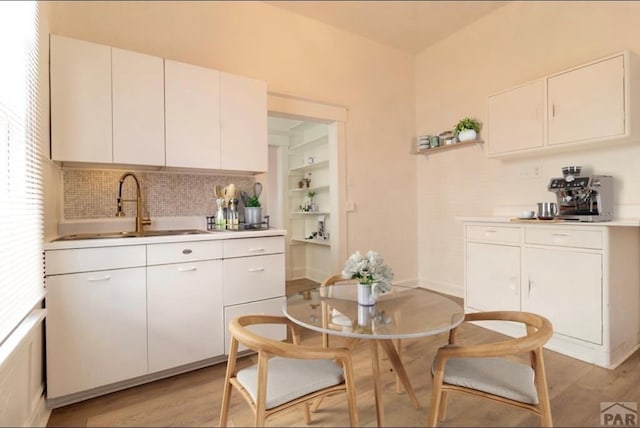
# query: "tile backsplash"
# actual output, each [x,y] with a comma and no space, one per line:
[90,193]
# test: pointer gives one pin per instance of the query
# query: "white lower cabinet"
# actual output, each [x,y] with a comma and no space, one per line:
[254,284]
[497,288]
[184,304]
[566,287]
[262,307]
[253,278]
[96,329]
[123,315]
[583,278]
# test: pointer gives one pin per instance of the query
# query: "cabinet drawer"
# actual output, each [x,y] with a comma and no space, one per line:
[253,246]
[89,259]
[488,233]
[248,279]
[264,307]
[564,237]
[183,252]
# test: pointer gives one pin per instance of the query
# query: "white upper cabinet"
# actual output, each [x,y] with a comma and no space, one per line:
[192,116]
[80,101]
[244,123]
[587,103]
[516,119]
[138,108]
[114,106]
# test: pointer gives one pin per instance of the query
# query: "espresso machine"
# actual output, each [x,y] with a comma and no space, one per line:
[588,198]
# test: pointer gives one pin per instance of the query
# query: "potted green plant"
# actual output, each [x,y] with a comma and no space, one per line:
[253,211]
[467,129]
[311,205]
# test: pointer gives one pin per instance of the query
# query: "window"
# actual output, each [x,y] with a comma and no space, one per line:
[21,230]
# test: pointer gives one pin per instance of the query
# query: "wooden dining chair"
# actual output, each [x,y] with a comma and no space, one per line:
[287,374]
[490,370]
[330,316]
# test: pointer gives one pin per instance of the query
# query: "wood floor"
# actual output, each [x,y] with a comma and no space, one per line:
[193,399]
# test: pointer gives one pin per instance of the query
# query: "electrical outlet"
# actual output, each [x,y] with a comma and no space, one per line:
[534,171]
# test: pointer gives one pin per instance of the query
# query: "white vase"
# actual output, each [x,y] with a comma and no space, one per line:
[467,135]
[365,315]
[365,295]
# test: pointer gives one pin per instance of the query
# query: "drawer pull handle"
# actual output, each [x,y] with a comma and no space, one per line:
[560,235]
[490,232]
[187,251]
[256,250]
[100,278]
[187,269]
[260,269]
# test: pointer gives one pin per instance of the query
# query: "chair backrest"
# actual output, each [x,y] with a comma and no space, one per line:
[261,344]
[337,279]
[538,332]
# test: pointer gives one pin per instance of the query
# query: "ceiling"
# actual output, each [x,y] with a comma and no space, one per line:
[407,25]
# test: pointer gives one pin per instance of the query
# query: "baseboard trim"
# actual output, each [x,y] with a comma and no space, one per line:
[443,287]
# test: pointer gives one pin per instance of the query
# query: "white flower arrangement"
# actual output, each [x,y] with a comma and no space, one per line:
[370,270]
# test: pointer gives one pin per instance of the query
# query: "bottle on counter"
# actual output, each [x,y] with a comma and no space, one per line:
[221,218]
[232,215]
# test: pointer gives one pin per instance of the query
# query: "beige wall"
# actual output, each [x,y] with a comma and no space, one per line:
[519,42]
[301,57]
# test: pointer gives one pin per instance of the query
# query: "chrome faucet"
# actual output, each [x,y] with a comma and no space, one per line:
[140,222]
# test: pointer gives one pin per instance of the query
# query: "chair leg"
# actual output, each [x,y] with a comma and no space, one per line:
[351,393]
[436,395]
[307,414]
[262,390]
[316,404]
[226,393]
[542,389]
[442,411]
[226,396]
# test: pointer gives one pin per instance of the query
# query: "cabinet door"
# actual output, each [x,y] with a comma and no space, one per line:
[565,287]
[244,123]
[138,108]
[80,101]
[587,103]
[185,313]
[492,277]
[262,307]
[247,279]
[192,115]
[96,329]
[515,119]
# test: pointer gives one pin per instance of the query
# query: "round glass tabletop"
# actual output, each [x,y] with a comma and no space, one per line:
[403,312]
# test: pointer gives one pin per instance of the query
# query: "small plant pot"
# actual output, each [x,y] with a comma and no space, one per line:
[467,135]
[252,215]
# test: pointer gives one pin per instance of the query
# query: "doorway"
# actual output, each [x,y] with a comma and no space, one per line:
[306,158]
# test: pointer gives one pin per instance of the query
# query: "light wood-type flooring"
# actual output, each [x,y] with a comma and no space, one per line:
[193,399]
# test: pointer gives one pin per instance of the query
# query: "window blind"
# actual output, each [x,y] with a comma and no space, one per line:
[21,206]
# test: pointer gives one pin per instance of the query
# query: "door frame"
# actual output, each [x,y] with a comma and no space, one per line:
[335,116]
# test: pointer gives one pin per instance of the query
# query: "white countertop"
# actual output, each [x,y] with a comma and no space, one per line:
[113,242]
[620,222]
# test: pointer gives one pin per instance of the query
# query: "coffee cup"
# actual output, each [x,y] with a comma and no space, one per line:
[527,214]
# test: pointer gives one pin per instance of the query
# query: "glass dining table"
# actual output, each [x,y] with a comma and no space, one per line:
[402,313]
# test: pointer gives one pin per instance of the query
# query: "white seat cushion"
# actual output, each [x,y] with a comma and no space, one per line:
[290,378]
[497,376]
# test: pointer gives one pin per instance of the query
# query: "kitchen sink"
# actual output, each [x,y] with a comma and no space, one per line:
[146,233]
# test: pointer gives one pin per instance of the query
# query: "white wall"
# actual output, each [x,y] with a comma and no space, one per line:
[517,43]
[300,57]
